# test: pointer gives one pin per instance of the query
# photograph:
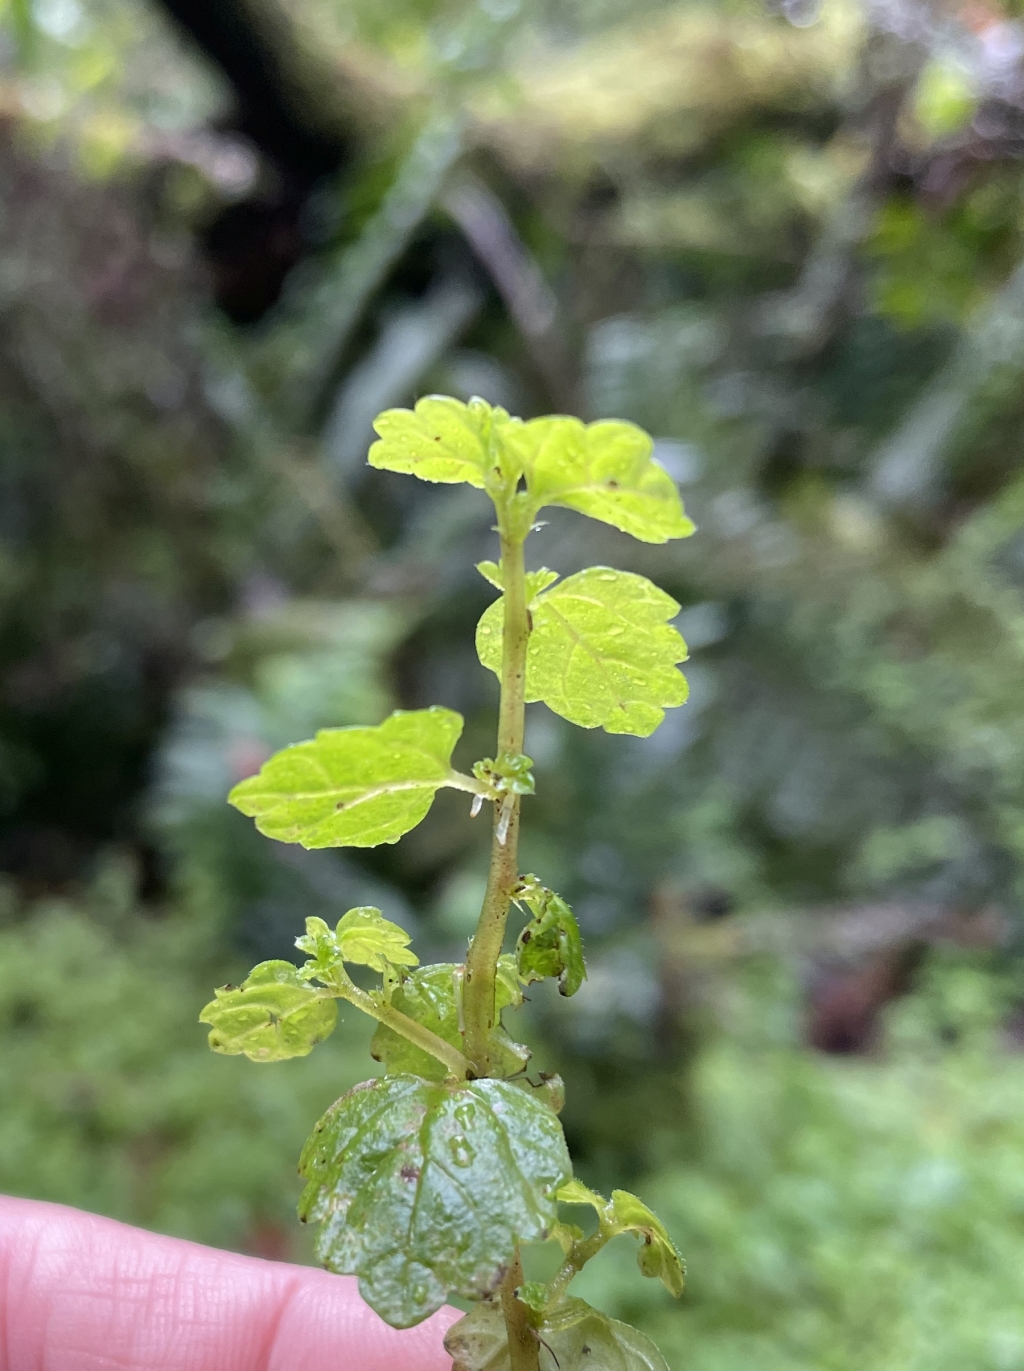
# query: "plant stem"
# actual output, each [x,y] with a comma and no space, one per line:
[523,1344]
[485,949]
[392,1018]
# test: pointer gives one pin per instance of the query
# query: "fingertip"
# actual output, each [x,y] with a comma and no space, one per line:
[81,1293]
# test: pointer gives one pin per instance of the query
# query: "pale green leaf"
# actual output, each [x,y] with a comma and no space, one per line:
[536,581]
[604,470]
[431,995]
[575,1192]
[271,1016]
[445,440]
[424,1190]
[601,653]
[508,991]
[571,1337]
[658,1255]
[362,935]
[353,787]
[550,944]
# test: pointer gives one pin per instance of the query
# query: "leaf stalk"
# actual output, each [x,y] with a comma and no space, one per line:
[449,1056]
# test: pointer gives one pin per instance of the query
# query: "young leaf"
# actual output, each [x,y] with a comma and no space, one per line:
[536,581]
[601,653]
[572,1336]
[363,936]
[575,1192]
[430,995]
[354,787]
[444,440]
[604,470]
[550,944]
[271,1016]
[624,1213]
[658,1255]
[424,1190]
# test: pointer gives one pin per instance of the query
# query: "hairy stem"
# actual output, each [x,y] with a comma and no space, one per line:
[485,949]
[392,1018]
[580,1253]
[523,1344]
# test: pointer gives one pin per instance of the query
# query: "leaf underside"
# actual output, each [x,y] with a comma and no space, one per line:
[271,1016]
[574,1337]
[601,653]
[353,787]
[423,1190]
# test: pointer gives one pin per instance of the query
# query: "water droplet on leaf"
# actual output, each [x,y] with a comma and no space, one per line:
[462,1152]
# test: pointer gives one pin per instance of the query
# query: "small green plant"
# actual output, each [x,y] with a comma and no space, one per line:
[427,1179]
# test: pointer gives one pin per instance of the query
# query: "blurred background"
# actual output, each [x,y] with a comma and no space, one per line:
[790,243]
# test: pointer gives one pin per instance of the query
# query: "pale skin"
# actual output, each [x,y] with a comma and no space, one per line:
[81,1293]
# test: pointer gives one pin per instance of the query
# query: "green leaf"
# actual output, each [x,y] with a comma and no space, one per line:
[362,935]
[575,1192]
[507,989]
[604,470]
[424,1190]
[354,787]
[550,944]
[536,581]
[431,996]
[573,1337]
[271,1016]
[444,440]
[658,1255]
[601,653]
[625,1213]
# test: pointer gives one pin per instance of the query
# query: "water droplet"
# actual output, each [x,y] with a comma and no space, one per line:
[534,649]
[462,1153]
[419,1294]
[485,632]
[615,630]
[466,1115]
[607,576]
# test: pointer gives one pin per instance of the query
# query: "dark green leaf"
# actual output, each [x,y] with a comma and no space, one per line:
[430,995]
[604,470]
[572,1337]
[550,944]
[601,653]
[354,787]
[271,1016]
[444,440]
[424,1190]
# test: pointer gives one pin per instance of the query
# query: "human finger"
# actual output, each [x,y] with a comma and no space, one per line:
[81,1293]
